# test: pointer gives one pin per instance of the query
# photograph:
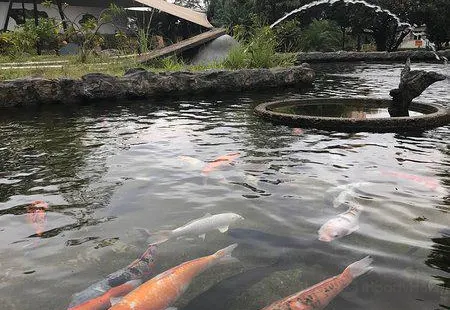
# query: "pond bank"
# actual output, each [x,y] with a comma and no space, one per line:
[142,84]
[341,56]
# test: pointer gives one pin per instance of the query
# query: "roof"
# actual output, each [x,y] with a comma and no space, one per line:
[162,5]
[178,11]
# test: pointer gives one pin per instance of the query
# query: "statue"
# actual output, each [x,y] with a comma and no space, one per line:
[412,84]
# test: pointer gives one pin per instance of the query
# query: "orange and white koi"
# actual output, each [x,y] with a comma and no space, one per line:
[36,215]
[342,225]
[103,302]
[97,293]
[428,182]
[320,295]
[163,290]
[220,161]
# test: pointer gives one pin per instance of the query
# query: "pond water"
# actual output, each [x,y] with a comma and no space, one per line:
[356,110]
[109,168]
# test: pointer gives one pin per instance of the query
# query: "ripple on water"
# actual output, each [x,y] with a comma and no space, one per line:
[105,170]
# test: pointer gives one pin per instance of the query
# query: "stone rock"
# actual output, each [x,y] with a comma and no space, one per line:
[214,51]
[141,84]
[412,85]
[69,49]
[110,52]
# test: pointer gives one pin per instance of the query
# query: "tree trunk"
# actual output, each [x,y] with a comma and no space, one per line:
[61,13]
[5,26]
[359,43]
[380,40]
[36,22]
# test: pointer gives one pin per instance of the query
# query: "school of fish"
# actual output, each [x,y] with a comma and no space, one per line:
[131,288]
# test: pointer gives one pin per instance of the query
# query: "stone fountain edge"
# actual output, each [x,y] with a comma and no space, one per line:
[438,117]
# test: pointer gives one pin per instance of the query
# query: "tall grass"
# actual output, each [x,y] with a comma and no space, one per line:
[257,52]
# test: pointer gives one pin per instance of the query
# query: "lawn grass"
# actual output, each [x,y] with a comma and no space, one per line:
[72,68]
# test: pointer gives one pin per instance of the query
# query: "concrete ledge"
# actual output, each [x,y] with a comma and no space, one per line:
[141,84]
[401,56]
[435,117]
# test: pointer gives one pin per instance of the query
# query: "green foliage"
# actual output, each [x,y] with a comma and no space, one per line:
[257,52]
[24,38]
[237,58]
[288,36]
[321,35]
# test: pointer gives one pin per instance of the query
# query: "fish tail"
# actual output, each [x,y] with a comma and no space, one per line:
[360,267]
[159,237]
[224,256]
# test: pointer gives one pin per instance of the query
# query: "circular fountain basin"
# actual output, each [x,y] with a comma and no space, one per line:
[352,115]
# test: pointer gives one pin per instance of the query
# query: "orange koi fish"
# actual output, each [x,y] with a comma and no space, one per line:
[220,161]
[163,290]
[36,215]
[103,302]
[320,295]
[429,183]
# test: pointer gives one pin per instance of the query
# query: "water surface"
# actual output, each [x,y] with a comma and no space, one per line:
[108,168]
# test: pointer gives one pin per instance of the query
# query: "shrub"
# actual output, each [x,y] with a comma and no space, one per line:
[321,35]
[257,52]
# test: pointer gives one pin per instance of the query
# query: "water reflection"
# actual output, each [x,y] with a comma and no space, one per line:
[105,170]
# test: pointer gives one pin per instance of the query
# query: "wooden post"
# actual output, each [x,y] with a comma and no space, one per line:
[61,13]
[5,26]
[36,22]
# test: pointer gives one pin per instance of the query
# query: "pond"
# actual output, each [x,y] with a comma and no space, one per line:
[110,168]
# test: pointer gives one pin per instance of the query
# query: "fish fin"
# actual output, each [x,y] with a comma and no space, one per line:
[202,236]
[159,237]
[360,267]
[224,255]
[223,229]
[143,232]
[353,229]
[115,300]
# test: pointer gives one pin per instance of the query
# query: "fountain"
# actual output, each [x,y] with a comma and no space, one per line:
[308,6]
[412,84]
[364,114]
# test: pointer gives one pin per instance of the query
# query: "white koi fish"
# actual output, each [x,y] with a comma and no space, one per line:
[194,163]
[346,192]
[342,225]
[197,227]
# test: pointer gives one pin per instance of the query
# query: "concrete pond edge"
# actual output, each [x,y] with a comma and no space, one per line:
[398,56]
[436,117]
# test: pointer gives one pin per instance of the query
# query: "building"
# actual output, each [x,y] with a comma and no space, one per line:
[75,10]
[417,39]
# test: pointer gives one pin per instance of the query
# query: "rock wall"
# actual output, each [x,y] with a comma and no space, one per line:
[415,55]
[141,84]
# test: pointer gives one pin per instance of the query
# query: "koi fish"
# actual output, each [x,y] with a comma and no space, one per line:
[342,225]
[193,162]
[220,161]
[428,182]
[36,215]
[198,227]
[297,131]
[320,295]
[345,191]
[163,290]
[97,294]
[103,302]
